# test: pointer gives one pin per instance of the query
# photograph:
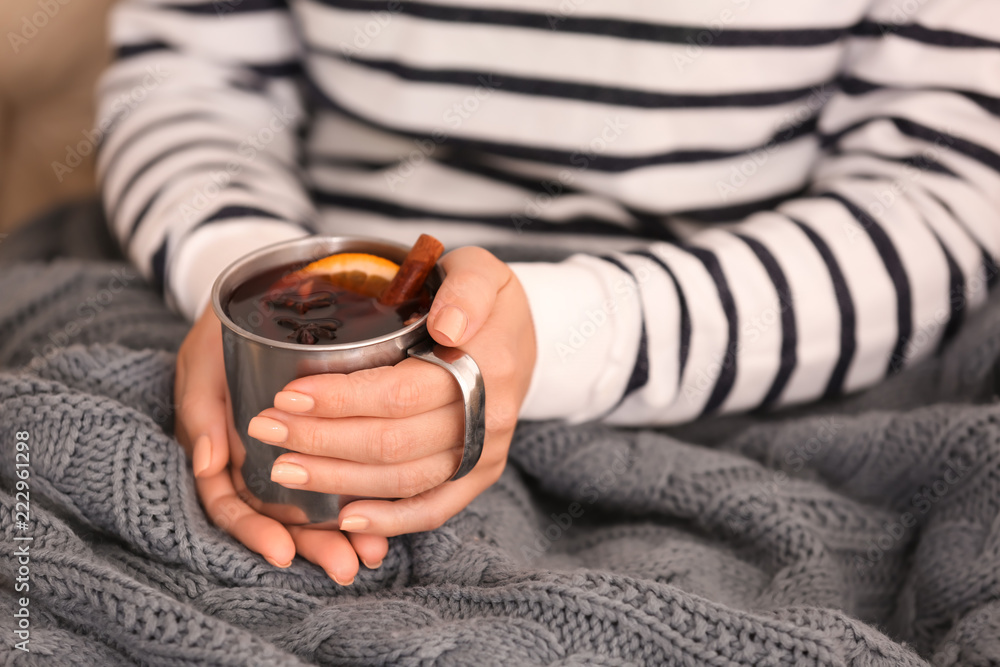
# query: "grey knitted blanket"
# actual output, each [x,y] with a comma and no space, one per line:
[861,532]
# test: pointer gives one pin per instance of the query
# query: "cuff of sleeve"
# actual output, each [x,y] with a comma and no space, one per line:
[206,252]
[587,325]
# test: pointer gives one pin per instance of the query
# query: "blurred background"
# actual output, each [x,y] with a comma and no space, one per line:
[52,54]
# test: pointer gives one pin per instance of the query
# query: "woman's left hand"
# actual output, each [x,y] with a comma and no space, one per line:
[397,431]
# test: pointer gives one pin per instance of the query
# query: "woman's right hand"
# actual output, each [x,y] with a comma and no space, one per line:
[202,422]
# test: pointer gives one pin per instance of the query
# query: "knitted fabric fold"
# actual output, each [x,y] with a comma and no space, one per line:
[864,531]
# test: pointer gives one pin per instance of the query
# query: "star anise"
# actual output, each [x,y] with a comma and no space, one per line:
[309,333]
[303,303]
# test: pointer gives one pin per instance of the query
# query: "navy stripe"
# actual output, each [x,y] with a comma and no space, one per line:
[894,266]
[956,296]
[465,162]
[848,317]
[576,159]
[126,51]
[991,269]
[277,70]
[920,161]
[789,332]
[593,93]
[620,28]
[640,370]
[685,324]
[854,86]
[916,130]
[271,70]
[727,376]
[143,212]
[230,212]
[740,211]
[225,7]
[158,264]
[577,225]
[919,33]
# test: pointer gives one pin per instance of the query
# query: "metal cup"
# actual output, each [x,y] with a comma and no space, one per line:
[258,367]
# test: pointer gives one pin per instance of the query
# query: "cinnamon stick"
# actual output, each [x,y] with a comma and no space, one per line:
[413,272]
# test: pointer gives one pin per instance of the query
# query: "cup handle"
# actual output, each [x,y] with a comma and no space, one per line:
[470,380]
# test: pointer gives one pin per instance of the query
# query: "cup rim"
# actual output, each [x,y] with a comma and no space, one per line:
[317,241]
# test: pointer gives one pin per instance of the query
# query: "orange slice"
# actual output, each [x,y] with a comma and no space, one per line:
[356,271]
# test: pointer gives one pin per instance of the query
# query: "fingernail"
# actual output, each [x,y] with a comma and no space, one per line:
[293,401]
[269,430]
[276,563]
[342,583]
[202,457]
[451,322]
[289,473]
[372,566]
[354,523]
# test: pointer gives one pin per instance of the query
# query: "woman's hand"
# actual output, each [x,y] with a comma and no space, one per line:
[203,421]
[397,431]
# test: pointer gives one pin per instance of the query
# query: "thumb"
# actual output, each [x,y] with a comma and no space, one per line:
[463,303]
[200,397]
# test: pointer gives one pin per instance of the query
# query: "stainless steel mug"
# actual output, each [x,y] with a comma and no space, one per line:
[258,367]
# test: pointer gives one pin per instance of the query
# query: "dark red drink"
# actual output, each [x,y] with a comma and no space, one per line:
[313,310]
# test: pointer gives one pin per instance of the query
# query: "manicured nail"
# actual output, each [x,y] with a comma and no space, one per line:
[269,430]
[289,473]
[451,322]
[202,457]
[276,563]
[372,566]
[342,583]
[293,401]
[354,523]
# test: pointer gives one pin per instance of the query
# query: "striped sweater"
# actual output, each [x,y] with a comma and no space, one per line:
[768,201]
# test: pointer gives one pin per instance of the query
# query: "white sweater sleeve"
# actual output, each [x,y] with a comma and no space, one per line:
[198,155]
[895,238]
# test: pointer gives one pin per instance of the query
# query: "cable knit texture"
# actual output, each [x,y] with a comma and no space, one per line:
[860,532]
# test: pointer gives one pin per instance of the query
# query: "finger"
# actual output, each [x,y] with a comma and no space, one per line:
[363,439]
[427,511]
[411,387]
[401,480]
[330,549]
[465,299]
[200,397]
[371,549]
[257,532]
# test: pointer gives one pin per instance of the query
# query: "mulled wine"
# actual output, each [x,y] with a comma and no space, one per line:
[283,305]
